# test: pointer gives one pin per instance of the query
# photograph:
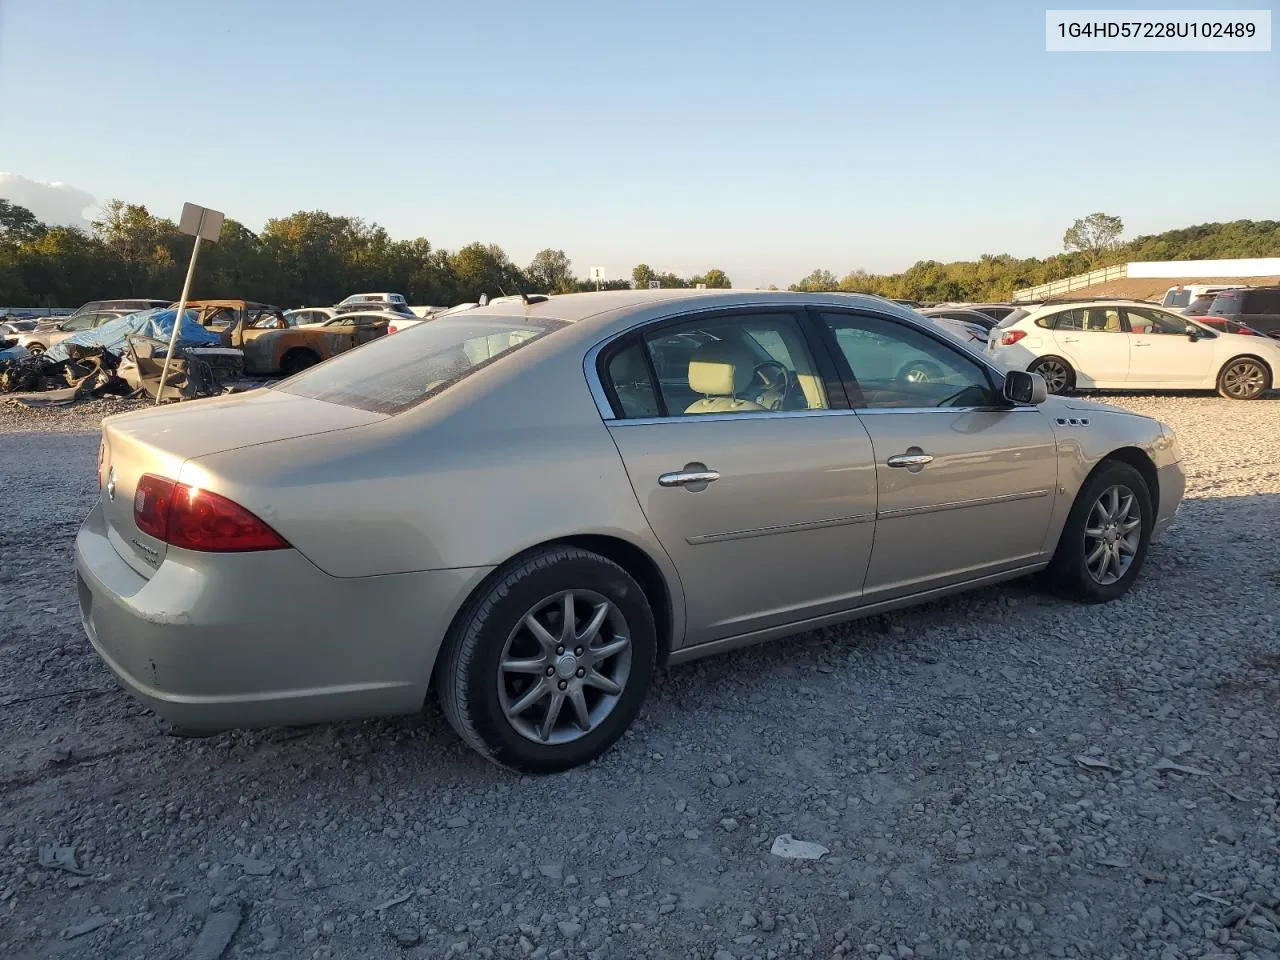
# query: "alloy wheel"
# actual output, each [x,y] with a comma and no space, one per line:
[564,667]
[1055,373]
[1244,379]
[1112,534]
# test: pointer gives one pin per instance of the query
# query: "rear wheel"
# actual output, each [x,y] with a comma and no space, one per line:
[1057,373]
[1243,378]
[548,666]
[1104,542]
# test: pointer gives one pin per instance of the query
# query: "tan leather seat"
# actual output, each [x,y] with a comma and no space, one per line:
[721,370]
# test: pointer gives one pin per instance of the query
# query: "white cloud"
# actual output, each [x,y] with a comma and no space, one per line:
[57,204]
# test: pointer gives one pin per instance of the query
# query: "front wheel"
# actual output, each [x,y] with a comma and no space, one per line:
[1104,542]
[548,666]
[1243,379]
[1057,373]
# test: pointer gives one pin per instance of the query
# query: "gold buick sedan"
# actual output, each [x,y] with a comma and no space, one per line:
[529,506]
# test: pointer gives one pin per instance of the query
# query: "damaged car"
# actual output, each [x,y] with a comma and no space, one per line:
[271,346]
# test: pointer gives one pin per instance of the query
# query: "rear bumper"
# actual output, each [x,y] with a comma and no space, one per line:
[213,642]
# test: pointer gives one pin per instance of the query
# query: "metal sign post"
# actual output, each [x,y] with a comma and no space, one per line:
[597,274]
[203,224]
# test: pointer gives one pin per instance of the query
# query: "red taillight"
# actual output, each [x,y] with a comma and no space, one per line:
[391,328]
[1012,337]
[151,505]
[195,519]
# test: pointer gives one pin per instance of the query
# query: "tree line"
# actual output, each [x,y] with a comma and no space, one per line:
[307,258]
[1091,242]
[315,258]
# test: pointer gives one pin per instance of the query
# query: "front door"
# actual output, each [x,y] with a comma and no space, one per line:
[1162,355]
[1094,342]
[762,495]
[966,482]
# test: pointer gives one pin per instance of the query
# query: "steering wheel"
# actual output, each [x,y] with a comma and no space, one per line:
[780,382]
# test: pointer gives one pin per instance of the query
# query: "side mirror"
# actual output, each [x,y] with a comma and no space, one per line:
[1193,333]
[1021,387]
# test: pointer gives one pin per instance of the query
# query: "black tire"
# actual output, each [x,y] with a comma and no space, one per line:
[35,349]
[297,360]
[1059,376]
[1069,572]
[468,678]
[1243,378]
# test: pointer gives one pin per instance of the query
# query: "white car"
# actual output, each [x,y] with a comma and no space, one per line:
[373,299]
[1180,297]
[309,316]
[1132,345]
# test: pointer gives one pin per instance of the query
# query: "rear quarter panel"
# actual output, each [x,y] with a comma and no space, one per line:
[509,458]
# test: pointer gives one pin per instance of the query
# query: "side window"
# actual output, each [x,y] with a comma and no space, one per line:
[1067,320]
[1155,322]
[1050,320]
[628,374]
[749,363]
[85,321]
[898,366]
[1262,302]
[1102,320]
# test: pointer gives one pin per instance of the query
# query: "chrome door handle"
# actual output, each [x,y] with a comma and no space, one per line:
[909,460]
[1141,344]
[683,478]
[1070,339]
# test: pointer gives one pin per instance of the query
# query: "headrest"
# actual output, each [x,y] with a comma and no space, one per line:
[720,369]
[628,367]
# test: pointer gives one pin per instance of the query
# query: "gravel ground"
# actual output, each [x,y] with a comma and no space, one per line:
[997,775]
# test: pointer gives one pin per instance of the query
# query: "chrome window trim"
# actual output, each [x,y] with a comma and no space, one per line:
[590,364]
[787,414]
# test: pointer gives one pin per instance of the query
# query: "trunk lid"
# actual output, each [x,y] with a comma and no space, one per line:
[161,440]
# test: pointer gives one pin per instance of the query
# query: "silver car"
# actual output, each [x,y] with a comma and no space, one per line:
[530,507]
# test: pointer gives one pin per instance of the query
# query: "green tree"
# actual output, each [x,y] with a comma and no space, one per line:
[551,271]
[641,276]
[18,224]
[817,282]
[715,279]
[483,268]
[1094,235]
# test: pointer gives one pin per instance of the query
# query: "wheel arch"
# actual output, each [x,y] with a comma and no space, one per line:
[1271,374]
[298,350]
[631,558]
[1140,461]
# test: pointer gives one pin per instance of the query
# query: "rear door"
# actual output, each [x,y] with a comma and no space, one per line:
[758,481]
[1162,355]
[966,482]
[1093,340]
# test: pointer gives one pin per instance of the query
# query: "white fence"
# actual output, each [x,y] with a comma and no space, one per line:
[1156,269]
[1057,288]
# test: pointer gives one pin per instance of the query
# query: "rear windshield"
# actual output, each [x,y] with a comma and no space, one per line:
[1013,318]
[1200,305]
[1226,303]
[399,371]
[1176,298]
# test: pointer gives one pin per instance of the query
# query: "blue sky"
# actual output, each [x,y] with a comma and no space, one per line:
[766,139]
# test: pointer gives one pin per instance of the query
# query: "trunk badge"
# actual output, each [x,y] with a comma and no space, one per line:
[111,485]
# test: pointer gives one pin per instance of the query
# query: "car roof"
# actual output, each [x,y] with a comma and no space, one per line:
[600,308]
